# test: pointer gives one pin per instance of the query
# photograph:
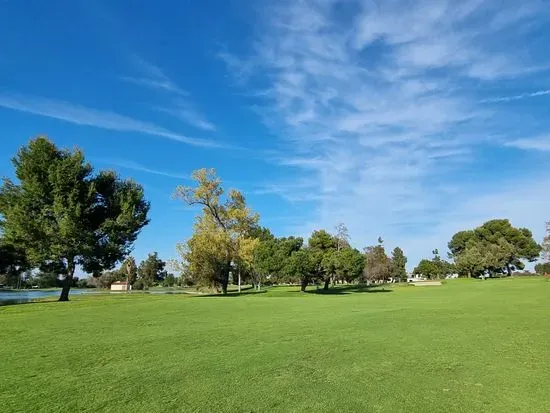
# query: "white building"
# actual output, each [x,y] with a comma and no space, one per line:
[120,286]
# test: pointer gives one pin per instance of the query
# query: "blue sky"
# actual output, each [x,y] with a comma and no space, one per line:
[408,120]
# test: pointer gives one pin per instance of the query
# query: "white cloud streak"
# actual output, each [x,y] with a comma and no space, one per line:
[185,112]
[540,143]
[153,78]
[134,166]
[180,107]
[517,97]
[371,99]
[81,115]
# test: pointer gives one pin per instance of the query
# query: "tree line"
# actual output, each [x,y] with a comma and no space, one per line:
[61,214]
[150,272]
[228,244]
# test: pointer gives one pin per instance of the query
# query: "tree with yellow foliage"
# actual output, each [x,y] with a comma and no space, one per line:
[222,242]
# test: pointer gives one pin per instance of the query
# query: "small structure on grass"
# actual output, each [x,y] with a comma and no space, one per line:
[120,286]
[426,283]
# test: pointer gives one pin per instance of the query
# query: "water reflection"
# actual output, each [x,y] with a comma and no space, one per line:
[27,296]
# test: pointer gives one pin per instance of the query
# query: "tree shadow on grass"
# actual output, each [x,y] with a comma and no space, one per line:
[349,289]
[37,301]
[232,293]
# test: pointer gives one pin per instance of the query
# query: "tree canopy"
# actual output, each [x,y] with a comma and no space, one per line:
[60,212]
[398,265]
[13,263]
[223,232]
[543,268]
[151,271]
[494,247]
[377,263]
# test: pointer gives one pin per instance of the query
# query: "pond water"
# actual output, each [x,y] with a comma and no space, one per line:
[27,296]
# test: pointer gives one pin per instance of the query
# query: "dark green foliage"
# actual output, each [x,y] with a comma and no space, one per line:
[398,265]
[543,268]
[151,271]
[496,247]
[321,240]
[436,268]
[140,285]
[13,263]
[350,264]
[458,243]
[425,268]
[323,248]
[47,280]
[60,212]
[262,233]
[303,266]
[169,280]
[271,257]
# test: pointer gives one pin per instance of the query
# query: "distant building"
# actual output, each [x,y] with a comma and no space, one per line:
[120,286]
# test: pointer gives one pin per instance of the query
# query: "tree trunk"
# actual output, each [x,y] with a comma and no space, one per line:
[239,281]
[68,281]
[225,278]
[327,282]
[303,285]
[224,287]
[508,270]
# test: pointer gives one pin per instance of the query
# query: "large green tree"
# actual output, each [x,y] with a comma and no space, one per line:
[151,270]
[60,212]
[302,265]
[436,268]
[426,268]
[506,246]
[542,268]
[271,257]
[398,264]
[223,233]
[471,261]
[350,264]
[324,254]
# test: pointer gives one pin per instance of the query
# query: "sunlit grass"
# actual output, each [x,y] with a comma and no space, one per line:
[467,346]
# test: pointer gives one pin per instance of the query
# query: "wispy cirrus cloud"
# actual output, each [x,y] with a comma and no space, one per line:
[539,143]
[135,166]
[82,115]
[375,104]
[187,113]
[178,103]
[153,77]
[521,96]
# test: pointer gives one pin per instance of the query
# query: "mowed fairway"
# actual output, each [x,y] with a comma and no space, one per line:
[468,346]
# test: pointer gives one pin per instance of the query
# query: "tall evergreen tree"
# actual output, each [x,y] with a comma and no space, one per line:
[60,212]
[152,270]
[398,264]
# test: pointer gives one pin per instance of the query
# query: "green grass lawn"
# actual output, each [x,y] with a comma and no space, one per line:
[467,346]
